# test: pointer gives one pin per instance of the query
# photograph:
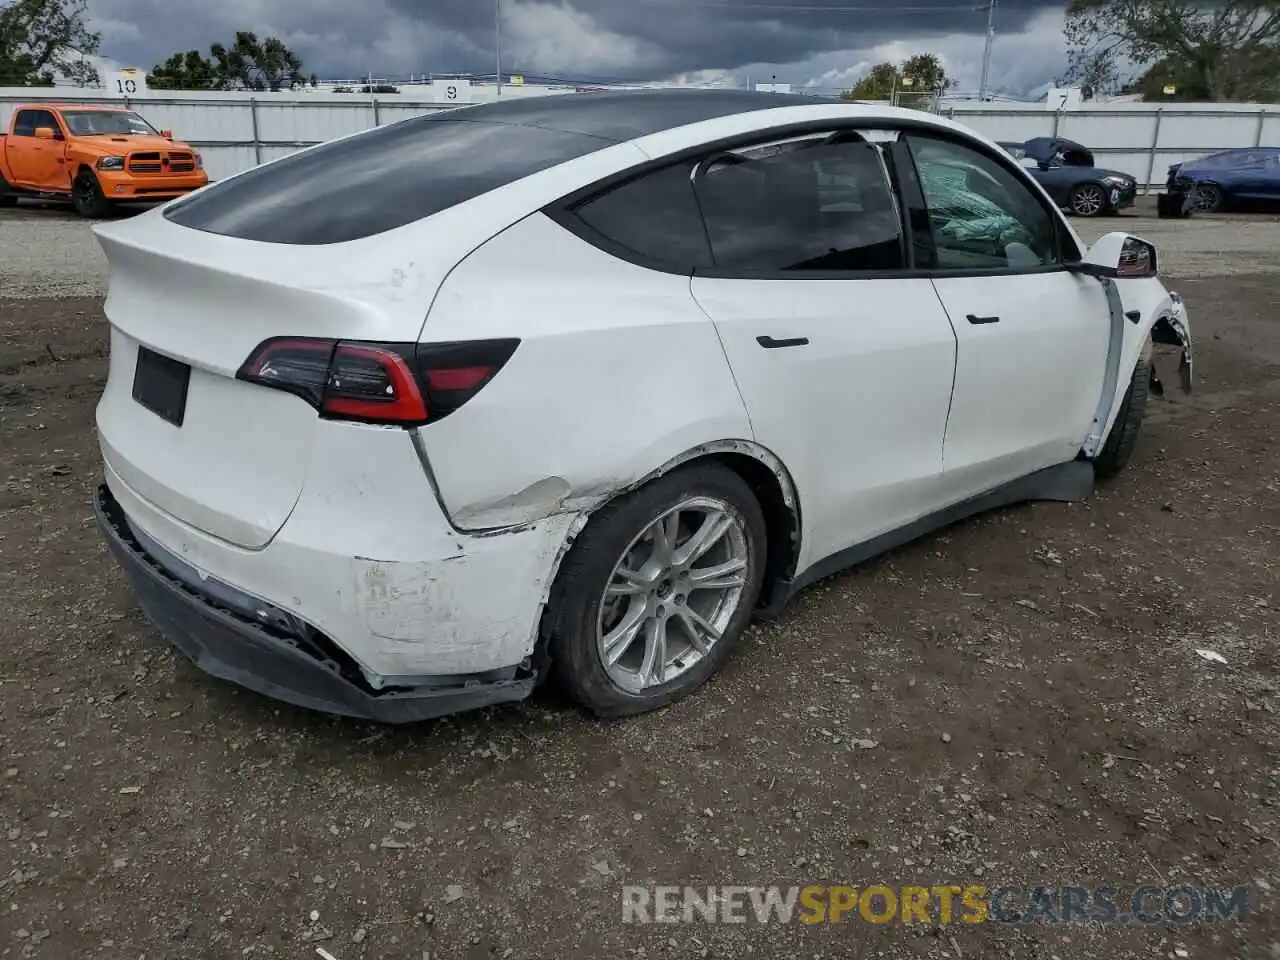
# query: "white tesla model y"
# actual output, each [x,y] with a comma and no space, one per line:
[400,424]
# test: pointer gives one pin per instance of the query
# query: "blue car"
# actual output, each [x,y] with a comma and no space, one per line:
[1231,180]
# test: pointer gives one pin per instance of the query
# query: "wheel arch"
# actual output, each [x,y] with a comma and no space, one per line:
[775,490]
[770,481]
[1131,344]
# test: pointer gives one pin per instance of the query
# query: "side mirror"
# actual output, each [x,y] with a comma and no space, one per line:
[1045,164]
[167,134]
[1119,256]
[46,133]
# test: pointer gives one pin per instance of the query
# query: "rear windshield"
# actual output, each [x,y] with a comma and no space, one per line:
[377,180]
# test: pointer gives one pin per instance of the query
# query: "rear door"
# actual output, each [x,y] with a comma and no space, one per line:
[844,360]
[1032,338]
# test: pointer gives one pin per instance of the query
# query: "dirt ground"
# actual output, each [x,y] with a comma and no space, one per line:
[1015,700]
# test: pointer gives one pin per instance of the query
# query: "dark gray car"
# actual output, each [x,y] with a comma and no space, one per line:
[1068,173]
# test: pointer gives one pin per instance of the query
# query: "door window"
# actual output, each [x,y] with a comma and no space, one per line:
[806,204]
[982,216]
[24,125]
[29,121]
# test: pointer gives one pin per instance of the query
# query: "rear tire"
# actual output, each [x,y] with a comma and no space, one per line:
[1115,453]
[666,596]
[7,197]
[87,196]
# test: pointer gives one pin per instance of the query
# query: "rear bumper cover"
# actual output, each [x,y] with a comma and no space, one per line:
[299,665]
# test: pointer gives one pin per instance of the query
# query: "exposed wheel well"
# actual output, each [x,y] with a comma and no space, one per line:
[782,521]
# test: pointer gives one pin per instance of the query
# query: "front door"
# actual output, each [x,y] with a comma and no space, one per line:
[36,163]
[843,360]
[1032,338]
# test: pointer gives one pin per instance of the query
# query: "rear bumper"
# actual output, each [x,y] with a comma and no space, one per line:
[285,658]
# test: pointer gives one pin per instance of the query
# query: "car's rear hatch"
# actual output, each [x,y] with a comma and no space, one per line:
[187,309]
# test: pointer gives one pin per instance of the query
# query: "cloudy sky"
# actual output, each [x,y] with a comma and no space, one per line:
[822,43]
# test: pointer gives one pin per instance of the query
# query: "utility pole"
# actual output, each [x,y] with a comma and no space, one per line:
[986,53]
[497,42]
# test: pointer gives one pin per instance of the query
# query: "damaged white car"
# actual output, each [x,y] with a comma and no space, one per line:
[401,424]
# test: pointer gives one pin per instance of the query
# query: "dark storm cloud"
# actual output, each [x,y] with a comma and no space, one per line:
[653,37]
[727,34]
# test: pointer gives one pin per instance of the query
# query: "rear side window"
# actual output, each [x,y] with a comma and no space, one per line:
[811,205]
[377,180]
[653,219]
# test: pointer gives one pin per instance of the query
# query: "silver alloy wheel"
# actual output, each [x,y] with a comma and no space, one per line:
[1088,200]
[672,594]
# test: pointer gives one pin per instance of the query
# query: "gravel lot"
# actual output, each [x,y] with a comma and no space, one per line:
[1015,700]
[49,252]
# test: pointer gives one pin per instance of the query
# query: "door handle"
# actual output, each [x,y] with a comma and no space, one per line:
[976,319]
[771,344]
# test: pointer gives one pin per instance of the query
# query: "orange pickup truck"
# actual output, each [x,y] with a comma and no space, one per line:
[93,156]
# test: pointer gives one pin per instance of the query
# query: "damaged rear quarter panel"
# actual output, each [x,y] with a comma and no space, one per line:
[446,607]
[618,372]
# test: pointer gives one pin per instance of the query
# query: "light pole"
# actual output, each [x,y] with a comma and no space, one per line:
[497,43]
[986,53]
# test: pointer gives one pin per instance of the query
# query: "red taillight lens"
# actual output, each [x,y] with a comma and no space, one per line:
[389,383]
[291,364]
[372,384]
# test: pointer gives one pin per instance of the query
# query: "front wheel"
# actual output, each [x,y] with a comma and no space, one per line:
[87,196]
[1115,453]
[656,591]
[1208,198]
[1088,200]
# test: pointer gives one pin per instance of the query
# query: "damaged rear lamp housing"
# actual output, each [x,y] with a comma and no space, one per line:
[394,384]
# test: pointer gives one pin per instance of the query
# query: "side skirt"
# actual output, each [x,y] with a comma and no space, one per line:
[1066,483]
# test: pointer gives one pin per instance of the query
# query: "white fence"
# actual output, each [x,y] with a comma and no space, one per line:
[234,131]
[1141,139]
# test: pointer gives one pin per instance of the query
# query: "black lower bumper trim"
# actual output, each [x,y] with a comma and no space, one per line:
[1175,204]
[231,647]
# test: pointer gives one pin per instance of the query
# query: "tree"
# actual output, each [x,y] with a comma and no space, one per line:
[40,38]
[880,83]
[1228,50]
[1187,85]
[885,81]
[248,64]
[926,73]
[185,71]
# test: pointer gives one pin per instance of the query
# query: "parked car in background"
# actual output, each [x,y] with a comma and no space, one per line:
[93,156]
[402,423]
[1068,172]
[1230,180]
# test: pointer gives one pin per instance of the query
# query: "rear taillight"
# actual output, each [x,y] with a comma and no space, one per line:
[404,384]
